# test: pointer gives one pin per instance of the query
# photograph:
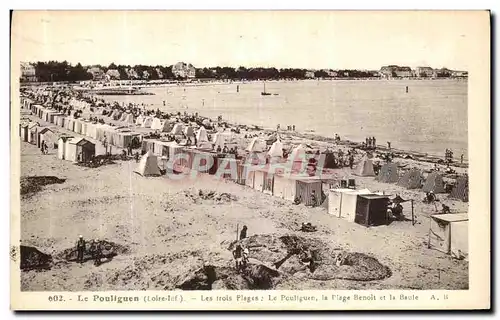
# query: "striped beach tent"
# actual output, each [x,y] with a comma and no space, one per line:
[434,183]
[461,189]
[388,173]
[412,179]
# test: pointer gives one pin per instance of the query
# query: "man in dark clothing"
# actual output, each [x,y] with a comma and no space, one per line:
[445,209]
[80,248]
[129,148]
[351,161]
[314,199]
[243,233]
[238,256]
[374,142]
[97,252]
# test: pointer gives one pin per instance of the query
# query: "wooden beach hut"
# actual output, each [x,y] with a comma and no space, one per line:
[371,210]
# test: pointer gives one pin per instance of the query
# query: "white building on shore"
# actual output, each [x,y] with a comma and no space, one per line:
[28,72]
[184,70]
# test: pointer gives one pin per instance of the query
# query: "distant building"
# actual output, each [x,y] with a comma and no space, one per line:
[97,73]
[460,74]
[424,72]
[393,71]
[132,74]
[113,74]
[309,74]
[184,70]
[145,75]
[28,72]
[160,74]
[443,73]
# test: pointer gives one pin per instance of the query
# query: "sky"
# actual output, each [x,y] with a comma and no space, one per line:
[307,39]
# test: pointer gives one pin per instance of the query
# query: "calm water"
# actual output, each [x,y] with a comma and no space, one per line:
[432,116]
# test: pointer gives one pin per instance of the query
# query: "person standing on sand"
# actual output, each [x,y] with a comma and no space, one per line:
[97,252]
[238,256]
[367,142]
[314,199]
[351,161]
[243,233]
[80,249]
[374,142]
[389,145]
[462,158]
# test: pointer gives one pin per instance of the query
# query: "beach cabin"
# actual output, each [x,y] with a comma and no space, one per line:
[33,133]
[371,210]
[79,150]
[189,132]
[61,147]
[129,118]
[24,131]
[47,135]
[221,139]
[123,116]
[276,151]
[291,187]
[342,202]
[448,233]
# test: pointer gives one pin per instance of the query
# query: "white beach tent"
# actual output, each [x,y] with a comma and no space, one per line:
[189,132]
[129,118]
[298,153]
[201,135]
[177,129]
[139,120]
[256,145]
[276,150]
[124,116]
[148,166]
[342,202]
[148,121]
[156,124]
[223,138]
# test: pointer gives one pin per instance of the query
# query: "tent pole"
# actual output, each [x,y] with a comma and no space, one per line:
[412,214]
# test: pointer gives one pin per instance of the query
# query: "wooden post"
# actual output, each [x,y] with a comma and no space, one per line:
[412,214]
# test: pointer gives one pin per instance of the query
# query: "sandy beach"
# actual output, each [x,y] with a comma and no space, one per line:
[168,231]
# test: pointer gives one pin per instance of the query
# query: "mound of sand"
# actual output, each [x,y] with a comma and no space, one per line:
[292,254]
[255,276]
[32,258]
[110,250]
[33,184]
[201,195]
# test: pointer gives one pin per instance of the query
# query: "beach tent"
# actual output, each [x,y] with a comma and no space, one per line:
[47,135]
[201,135]
[129,118]
[165,126]
[123,116]
[371,210]
[223,138]
[298,153]
[448,233]
[148,121]
[61,146]
[364,168]
[148,166]
[139,120]
[177,129]
[189,132]
[388,173]
[205,145]
[276,150]
[412,179]
[156,124]
[256,145]
[461,189]
[272,138]
[77,126]
[343,202]
[434,183]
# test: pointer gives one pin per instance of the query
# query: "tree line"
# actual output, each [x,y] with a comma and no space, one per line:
[63,71]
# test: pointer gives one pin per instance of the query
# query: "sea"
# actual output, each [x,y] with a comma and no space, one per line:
[428,117]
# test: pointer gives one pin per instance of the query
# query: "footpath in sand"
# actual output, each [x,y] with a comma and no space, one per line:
[168,232]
